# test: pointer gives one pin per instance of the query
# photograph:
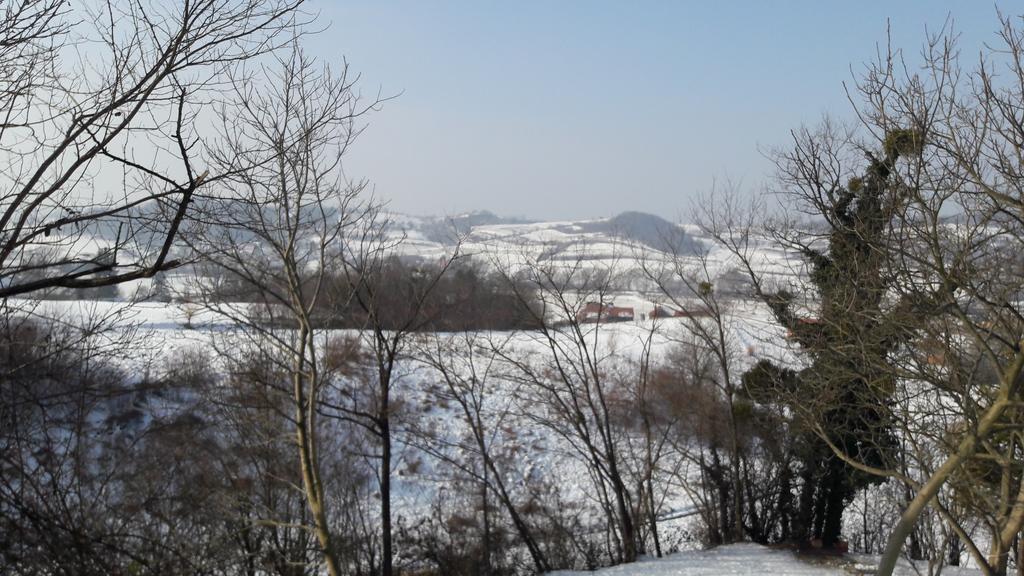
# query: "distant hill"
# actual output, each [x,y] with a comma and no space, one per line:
[444,230]
[481,232]
[647,229]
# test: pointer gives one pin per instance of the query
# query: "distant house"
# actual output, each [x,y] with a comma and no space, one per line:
[598,312]
[801,324]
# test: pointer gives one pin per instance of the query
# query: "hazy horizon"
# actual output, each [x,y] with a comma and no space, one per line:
[580,110]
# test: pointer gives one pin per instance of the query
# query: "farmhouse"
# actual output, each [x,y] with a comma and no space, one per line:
[802,325]
[598,312]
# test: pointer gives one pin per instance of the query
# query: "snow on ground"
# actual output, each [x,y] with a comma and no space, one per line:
[735,559]
[160,328]
[749,559]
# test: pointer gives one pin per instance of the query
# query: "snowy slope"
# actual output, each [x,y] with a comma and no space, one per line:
[158,330]
[621,244]
[617,243]
[725,560]
[752,560]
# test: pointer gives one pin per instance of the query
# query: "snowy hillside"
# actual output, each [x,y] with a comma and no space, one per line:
[620,243]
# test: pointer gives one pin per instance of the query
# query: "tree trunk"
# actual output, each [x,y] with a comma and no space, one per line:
[736,534]
[486,569]
[626,527]
[385,488]
[968,446]
[653,515]
[309,461]
[1009,534]
[649,465]
[311,482]
[954,552]
[835,502]
[1020,557]
[536,554]
[998,557]
[737,505]
[803,523]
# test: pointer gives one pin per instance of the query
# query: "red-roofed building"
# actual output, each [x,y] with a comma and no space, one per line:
[801,324]
[597,312]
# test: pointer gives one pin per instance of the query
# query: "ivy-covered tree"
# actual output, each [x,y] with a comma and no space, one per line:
[840,398]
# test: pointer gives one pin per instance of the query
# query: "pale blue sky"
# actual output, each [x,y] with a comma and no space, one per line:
[585,109]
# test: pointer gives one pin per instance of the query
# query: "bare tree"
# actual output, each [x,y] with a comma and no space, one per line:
[640,377]
[571,380]
[279,224]
[466,364]
[394,303]
[687,283]
[99,129]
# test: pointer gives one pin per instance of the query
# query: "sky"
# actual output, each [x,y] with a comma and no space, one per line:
[584,109]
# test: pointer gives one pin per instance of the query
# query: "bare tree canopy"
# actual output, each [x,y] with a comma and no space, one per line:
[99,108]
